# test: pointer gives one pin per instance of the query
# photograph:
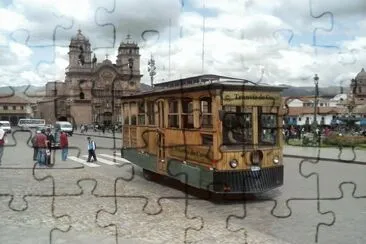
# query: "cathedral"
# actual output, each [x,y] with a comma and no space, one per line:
[91,90]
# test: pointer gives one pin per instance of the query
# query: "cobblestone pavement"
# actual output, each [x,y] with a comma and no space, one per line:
[74,202]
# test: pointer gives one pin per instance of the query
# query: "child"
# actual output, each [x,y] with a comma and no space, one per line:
[91,150]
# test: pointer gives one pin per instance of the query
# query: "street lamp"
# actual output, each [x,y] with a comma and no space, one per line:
[315,123]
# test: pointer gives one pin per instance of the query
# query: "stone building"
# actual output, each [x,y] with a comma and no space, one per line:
[91,89]
[13,108]
[358,88]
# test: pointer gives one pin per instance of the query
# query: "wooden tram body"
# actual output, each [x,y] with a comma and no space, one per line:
[216,133]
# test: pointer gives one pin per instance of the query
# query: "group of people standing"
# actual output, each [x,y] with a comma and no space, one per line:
[42,146]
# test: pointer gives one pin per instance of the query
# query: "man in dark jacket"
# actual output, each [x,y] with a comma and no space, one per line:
[50,141]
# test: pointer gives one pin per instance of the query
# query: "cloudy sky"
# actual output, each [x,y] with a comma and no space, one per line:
[268,41]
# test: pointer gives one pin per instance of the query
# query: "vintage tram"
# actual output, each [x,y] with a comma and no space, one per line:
[212,132]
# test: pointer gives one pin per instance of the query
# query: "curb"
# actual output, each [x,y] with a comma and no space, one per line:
[325,159]
[110,137]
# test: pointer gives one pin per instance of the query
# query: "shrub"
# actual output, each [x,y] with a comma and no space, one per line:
[344,140]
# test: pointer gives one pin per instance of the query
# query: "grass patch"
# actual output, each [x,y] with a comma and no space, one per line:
[332,142]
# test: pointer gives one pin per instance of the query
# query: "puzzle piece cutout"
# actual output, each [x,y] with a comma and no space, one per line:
[124,218]
[82,208]
[39,219]
[347,222]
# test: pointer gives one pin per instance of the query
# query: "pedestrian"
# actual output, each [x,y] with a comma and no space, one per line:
[34,144]
[64,145]
[50,141]
[41,145]
[2,142]
[91,150]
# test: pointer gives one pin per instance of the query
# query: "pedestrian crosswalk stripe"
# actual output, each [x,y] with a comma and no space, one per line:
[104,161]
[79,160]
[115,157]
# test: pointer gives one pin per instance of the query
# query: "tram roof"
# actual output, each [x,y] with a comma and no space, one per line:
[205,82]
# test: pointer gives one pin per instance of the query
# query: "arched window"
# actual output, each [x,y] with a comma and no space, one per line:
[82,95]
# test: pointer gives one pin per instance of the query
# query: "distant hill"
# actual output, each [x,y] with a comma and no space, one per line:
[290,91]
[330,91]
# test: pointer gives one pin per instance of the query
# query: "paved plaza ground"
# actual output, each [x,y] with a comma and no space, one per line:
[75,202]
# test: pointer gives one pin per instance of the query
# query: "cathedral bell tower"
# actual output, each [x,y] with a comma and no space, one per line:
[128,58]
[79,53]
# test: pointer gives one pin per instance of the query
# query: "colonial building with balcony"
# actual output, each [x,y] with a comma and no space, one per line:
[301,110]
[90,91]
[13,108]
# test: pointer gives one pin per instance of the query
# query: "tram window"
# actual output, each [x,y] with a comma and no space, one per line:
[141,113]
[207,139]
[133,120]
[151,113]
[237,129]
[173,114]
[206,112]
[187,113]
[268,129]
[126,113]
[133,112]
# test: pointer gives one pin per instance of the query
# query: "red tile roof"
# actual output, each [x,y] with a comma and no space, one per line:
[12,100]
[321,110]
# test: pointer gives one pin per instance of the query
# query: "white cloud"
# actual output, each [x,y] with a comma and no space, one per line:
[245,38]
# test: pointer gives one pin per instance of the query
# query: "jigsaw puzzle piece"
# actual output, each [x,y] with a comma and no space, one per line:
[350,220]
[37,224]
[131,224]
[257,215]
[66,179]
[19,183]
[83,208]
[341,172]
[219,228]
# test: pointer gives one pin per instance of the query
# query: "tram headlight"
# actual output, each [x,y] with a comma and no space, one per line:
[233,163]
[276,160]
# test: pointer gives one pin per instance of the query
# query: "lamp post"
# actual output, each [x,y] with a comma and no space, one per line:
[315,123]
[151,69]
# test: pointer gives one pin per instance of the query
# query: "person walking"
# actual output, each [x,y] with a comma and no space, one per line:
[2,143]
[35,147]
[41,141]
[64,145]
[91,150]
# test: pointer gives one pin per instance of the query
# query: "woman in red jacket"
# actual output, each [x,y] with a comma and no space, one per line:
[64,145]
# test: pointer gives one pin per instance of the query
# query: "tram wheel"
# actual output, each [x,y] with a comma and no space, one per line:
[149,175]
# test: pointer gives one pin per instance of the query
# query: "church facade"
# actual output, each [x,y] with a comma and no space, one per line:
[91,90]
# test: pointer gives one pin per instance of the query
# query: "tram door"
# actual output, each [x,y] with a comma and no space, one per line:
[161,162]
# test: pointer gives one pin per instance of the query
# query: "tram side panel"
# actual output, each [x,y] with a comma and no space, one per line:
[140,146]
[188,160]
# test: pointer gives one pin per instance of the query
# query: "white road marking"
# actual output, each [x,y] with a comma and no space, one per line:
[115,157]
[79,160]
[104,161]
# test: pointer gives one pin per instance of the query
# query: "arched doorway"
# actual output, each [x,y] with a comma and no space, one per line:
[107,119]
[13,120]
[62,118]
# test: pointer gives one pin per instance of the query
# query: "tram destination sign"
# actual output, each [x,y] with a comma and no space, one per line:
[250,98]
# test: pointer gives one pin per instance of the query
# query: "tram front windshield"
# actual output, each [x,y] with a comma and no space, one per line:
[237,123]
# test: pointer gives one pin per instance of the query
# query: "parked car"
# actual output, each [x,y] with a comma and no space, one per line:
[5,125]
[65,126]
